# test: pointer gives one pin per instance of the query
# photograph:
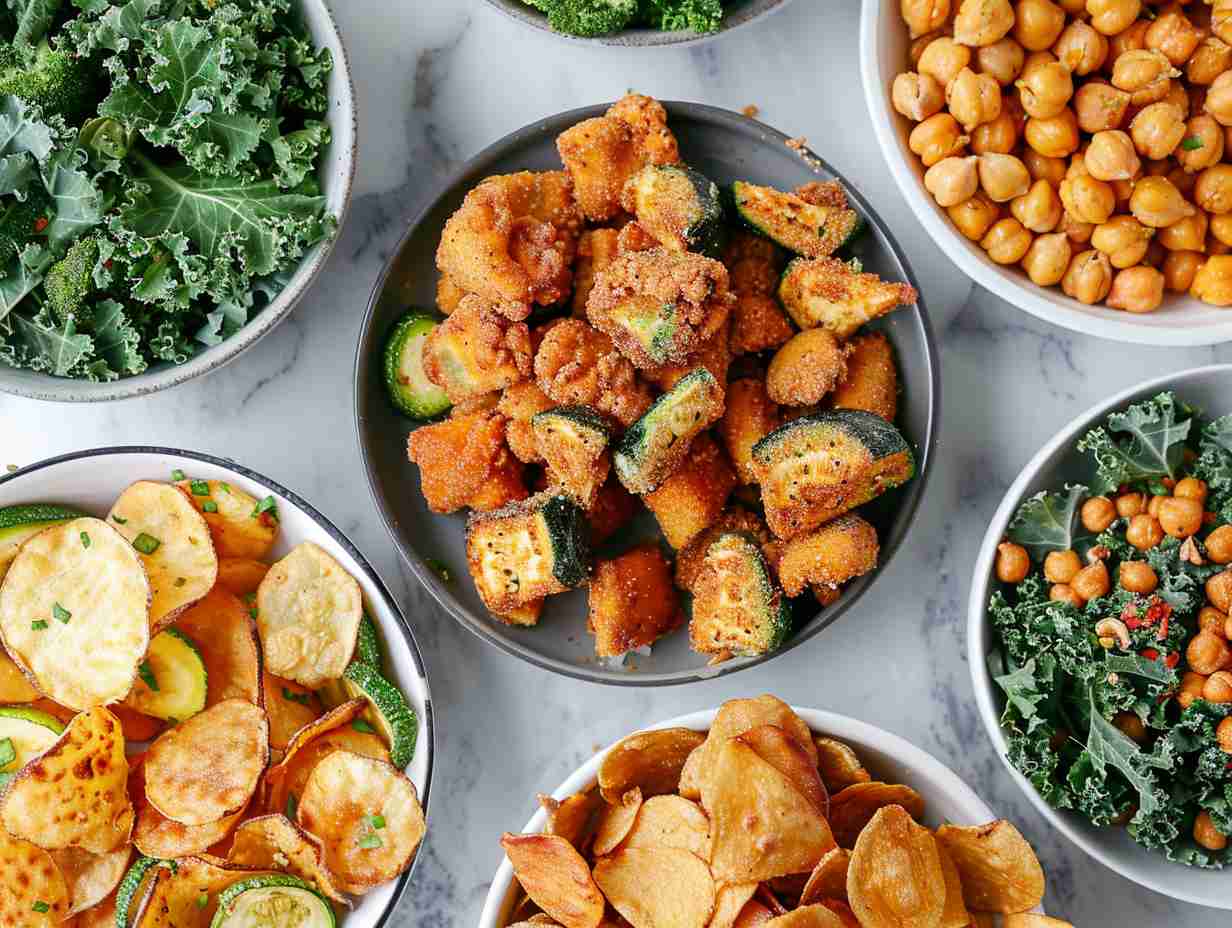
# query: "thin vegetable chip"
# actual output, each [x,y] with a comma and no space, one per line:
[616,821]
[367,815]
[955,914]
[788,757]
[829,878]
[237,528]
[573,818]
[186,895]
[90,878]
[657,887]
[556,877]
[241,576]
[174,543]
[14,687]
[838,764]
[999,870]
[895,878]
[208,767]
[226,635]
[729,901]
[1032,920]
[75,618]
[753,915]
[851,809]
[274,842]
[290,707]
[807,916]
[308,614]
[101,915]
[649,760]
[33,893]
[155,835]
[671,821]
[75,794]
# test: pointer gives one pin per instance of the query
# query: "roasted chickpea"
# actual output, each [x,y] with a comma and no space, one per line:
[1219,99]
[1144,74]
[1055,137]
[1220,227]
[1219,545]
[1013,564]
[1218,591]
[923,16]
[1137,576]
[917,96]
[1088,199]
[953,180]
[1003,177]
[1213,281]
[1173,35]
[1207,653]
[1113,16]
[1039,209]
[1123,239]
[1152,507]
[1178,516]
[1144,531]
[1061,593]
[1092,581]
[974,216]
[1080,48]
[1044,168]
[1007,241]
[1128,40]
[1190,488]
[1183,181]
[1188,234]
[1001,60]
[1179,269]
[973,98]
[1157,203]
[1213,191]
[1130,725]
[1129,505]
[1223,735]
[982,22]
[943,58]
[1221,20]
[1206,834]
[1045,90]
[1137,290]
[1211,620]
[1191,688]
[1157,130]
[1212,57]
[1079,233]
[1097,514]
[1178,96]
[916,50]
[1218,687]
[1075,8]
[1111,156]
[1048,258]
[1037,23]
[936,139]
[1201,145]
[998,136]
[1100,106]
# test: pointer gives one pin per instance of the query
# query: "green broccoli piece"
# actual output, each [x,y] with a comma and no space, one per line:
[587,17]
[70,280]
[21,221]
[674,15]
[55,81]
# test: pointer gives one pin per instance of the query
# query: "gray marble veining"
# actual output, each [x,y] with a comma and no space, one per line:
[439,79]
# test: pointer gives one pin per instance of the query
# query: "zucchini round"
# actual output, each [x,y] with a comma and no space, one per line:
[134,888]
[678,206]
[368,645]
[19,523]
[273,901]
[409,388]
[173,682]
[29,732]
[810,229]
[388,711]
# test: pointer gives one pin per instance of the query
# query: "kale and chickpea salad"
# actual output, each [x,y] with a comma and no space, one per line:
[1111,633]
[157,175]
[588,18]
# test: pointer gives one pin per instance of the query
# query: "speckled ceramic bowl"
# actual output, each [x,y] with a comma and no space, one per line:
[336,174]
[739,13]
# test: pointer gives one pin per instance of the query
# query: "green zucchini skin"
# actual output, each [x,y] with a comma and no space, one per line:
[368,647]
[128,893]
[735,561]
[679,206]
[835,295]
[230,898]
[570,536]
[808,229]
[573,440]
[395,718]
[22,522]
[584,418]
[408,386]
[175,704]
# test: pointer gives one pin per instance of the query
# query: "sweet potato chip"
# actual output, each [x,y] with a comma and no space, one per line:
[616,821]
[308,614]
[829,878]
[556,877]
[14,687]
[61,599]
[290,707]
[838,764]
[761,826]
[238,527]
[173,542]
[895,878]
[955,914]
[186,895]
[807,916]
[208,767]
[367,816]
[729,900]
[672,821]
[853,807]
[1032,920]
[90,878]
[657,887]
[753,915]
[241,576]
[649,760]
[274,842]
[573,818]
[33,893]
[75,794]
[999,869]
[788,756]
[226,635]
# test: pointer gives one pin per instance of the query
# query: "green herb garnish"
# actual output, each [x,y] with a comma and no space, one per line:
[199,488]
[270,505]
[440,568]
[38,625]
[146,544]
[209,506]
[225,487]
[41,907]
[119,520]
[291,696]
[177,475]
[376,821]
[60,614]
[202,900]
[369,840]
[292,806]
[146,672]
[1193,143]
[362,726]
[85,539]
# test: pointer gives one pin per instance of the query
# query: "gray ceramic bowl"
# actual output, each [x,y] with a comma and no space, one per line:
[336,174]
[725,147]
[739,13]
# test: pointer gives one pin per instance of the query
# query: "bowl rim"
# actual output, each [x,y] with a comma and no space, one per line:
[842,727]
[428,727]
[977,625]
[636,38]
[1024,296]
[345,134]
[925,444]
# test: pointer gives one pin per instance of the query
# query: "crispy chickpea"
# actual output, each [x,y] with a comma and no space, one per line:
[1213,191]
[1111,156]
[1221,20]
[1223,735]
[1212,57]
[1219,99]
[1129,505]
[1152,507]
[1039,209]
[917,96]
[1113,16]
[1173,35]
[998,136]
[1088,199]
[1003,177]
[1190,488]
[953,180]
[1157,203]
[1188,234]
[1137,290]
[1202,144]
[1055,137]
[1220,227]
[1178,516]
[1211,620]
[916,50]
[982,22]
[1179,269]
[974,216]
[1097,514]
[1007,241]
[1183,181]
[1075,8]
[1092,581]
[1137,576]
[1041,167]
[1100,106]
[1218,688]
[1215,247]
[1206,834]
[923,16]
[1013,564]
[1213,282]
[1128,40]
[1001,60]
[1191,688]
[1207,653]
[1157,130]
[1048,258]
[1061,593]
[1219,545]
[1080,48]
[1088,277]
[1123,239]
[1178,96]
[1130,725]
[943,58]
[1045,90]
[1144,74]
[1037,23]
[973,98]
[1079,233]
[1218,591]
[936,139]
[1144,531]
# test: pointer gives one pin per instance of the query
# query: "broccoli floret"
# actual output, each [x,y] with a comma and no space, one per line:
[70,280]
[673,15]
[21,221]
[587,17]
[55,81]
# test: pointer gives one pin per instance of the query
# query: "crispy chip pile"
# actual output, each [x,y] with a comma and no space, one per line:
[768,823]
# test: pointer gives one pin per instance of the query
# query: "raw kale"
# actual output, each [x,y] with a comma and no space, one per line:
[1049,522]
[1154,444]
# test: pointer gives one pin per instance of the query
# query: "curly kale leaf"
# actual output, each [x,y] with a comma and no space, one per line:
[116,339]
[673,15]
[34,18]
[1049,522]
[1108,746]
[1214,465]
[1153,448]
[1022,696]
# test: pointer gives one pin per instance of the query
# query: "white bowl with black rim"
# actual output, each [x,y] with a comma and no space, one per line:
[92,480]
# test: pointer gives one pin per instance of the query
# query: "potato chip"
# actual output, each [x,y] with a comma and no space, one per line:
[955,914]
[14,687]
[649,760]
[556,877]
[789,757]
[75,618]
[207,767]
[186,895]
[838,764]
[525,909]
[75,794]
[895,878]
[274,842]
[238,527]
[101,915]
[999,869]
[807,916]
[367,815]
[155,835]
[173,542]
[226,636]
[241,576]
[573,818]
[753,915]
[33,892]
[852,808]
[616,821]
[788,888]
[308,614]
[290,707]
[829,878]
[982,919]
[843,911]
[90,878]
[657,887]
[1032,920]
[672,821]
[761,826]
[770,900]
[729,900]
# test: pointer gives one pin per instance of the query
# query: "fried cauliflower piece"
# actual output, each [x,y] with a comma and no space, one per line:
[647,118]
[871,383]
[476,350]
[691,499]
[597,248]
[504,485]
[518,403]
[749,417]
[634,237]
[632,601]
[579,366]
[456,457]
[546,196]
[823,193]
[660,306]
[829,556]
[806,369]
[736,518]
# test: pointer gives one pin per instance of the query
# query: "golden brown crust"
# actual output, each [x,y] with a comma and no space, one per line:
[577,365]
[830,556]
[750,416]
[632,601]
[758,324]
[713,354]
[691,499]
[600,154]
[448,294]
[735,519]
[504,484]
[806,369]
[634,237]
[748,246]
[456,456]
[597,248]
[476,350]
[614,507]
[871,383]
[823,193]
[647,117]
[518,403]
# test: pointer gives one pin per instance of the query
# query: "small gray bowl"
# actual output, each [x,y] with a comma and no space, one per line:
[336,173]
[725,147]
[739,13]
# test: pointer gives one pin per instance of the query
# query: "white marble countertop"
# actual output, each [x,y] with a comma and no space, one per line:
[439,79]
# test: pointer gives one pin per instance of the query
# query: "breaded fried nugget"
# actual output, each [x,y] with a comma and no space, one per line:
[735,519]
[828,556]
[548,197]
[754,266]
[749,417]
[647,117]
[872,379]
[614,507]
[577,365]
[691,499]
[448,295]
[597,248]
[748,246]
[659,306]
[456,457]
[505,483]
[476,350]
[807,368]
[518,403]
[634,237]
[632,602]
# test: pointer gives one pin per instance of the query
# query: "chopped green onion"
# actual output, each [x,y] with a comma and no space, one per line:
[203,900]
[199,488]
[252,612]
[361,725]
[177,474]
[147,676]
[146,544]
[376,821]
[369,841]
[292,806]
[60,614]
[269,504]
[38,625]
[41,907]
[209,506]
[119,520]
[85,539]
[225,487]
[291,696]
[1193,143]
[8,753]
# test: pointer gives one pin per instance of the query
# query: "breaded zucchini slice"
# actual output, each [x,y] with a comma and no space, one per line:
[736,518]
[632,601]
[655,445]
[830,556]
[409,388]
[749,417]
[817,467]
[738,609]
[871,383]
[679,206]
[476,350]
[832,294]
[690,500]
[811,229]
[527,550]
[573,440]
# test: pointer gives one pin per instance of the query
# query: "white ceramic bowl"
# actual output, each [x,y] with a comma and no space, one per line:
[888,757]
[91,481]
[1210,389]
[883,54]
[335,174]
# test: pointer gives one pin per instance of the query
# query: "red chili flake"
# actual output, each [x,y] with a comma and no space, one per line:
[1129,615]
[107,264]
[1173,659]
[41,223]
[1150,654]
